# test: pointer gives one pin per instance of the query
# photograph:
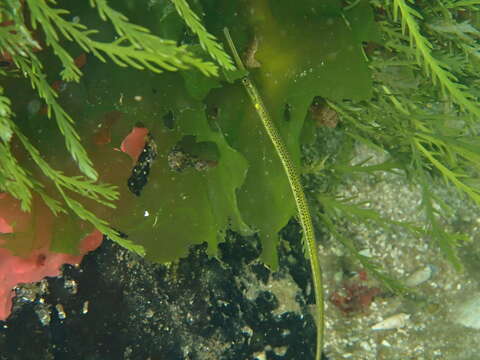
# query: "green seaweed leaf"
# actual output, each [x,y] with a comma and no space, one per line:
[292,73]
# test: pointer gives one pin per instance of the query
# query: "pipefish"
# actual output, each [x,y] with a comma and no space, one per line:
[296,188]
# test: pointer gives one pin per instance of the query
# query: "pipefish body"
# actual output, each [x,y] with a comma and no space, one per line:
[297,190]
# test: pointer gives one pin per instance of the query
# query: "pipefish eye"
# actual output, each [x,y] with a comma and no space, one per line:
[245,80]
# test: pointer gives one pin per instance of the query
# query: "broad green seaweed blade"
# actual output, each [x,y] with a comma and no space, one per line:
[302,54]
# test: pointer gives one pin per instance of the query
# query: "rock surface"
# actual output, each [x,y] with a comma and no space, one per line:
[117,305]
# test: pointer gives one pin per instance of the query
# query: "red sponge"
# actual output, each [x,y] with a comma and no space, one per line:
[31,233]
[41,262]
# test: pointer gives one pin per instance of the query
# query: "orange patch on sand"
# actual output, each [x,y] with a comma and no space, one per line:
[5,227]
[134,142]
[80,60]
[103,135]
[58,85]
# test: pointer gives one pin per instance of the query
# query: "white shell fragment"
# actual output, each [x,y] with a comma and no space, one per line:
[85,307]
[467,313]
[61,312]
[396,321]
[420,276]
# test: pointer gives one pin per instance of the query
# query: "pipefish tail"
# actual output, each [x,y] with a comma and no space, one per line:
[297,190]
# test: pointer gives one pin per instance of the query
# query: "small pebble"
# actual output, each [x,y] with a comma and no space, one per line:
[420,276]
[396,321]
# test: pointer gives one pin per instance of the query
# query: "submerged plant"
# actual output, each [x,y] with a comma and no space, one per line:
[427,132]
[135,47]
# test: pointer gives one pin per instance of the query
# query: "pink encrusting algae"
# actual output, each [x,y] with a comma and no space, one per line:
[40,262]
[26,237]
[134,143]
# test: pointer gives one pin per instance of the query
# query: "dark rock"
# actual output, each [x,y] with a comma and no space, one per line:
[197,308]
